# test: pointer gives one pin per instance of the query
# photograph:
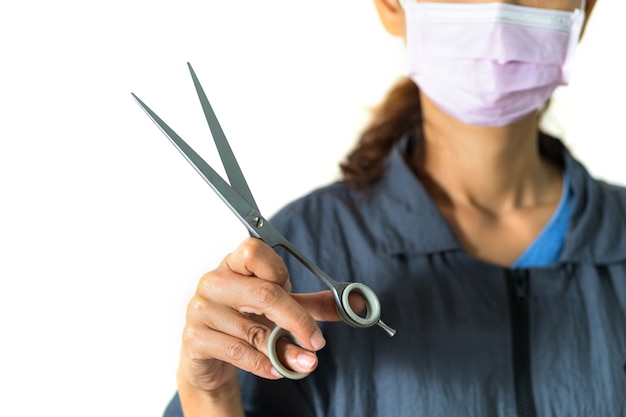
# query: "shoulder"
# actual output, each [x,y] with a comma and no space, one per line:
[604,197]
[611,204]
[331,194]
[598,225]
[594,193]
[333,204]
[613,193]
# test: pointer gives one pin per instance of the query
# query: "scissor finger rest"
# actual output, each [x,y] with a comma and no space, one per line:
[372,306]
[348,315]
[277,334]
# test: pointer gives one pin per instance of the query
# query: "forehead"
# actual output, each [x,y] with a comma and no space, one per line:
[567,5]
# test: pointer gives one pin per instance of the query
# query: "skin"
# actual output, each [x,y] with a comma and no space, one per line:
[490,184]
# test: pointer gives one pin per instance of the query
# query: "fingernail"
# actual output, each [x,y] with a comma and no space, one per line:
[274,372]
[306,360]
[317,340]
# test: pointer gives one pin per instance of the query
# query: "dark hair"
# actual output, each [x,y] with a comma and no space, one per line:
[400,113]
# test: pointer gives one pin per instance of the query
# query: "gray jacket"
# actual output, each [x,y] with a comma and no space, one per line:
[473,339]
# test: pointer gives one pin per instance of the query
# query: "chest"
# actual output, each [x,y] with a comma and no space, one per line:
[454,350]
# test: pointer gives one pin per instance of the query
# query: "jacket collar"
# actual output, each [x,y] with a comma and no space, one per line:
[412,224]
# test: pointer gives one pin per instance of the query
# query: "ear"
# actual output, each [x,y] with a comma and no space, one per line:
[589,5]
[391,15]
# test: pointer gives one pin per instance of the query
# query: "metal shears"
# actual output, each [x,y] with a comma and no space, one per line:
[238,197]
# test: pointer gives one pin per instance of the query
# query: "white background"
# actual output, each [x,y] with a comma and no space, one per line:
[105,228]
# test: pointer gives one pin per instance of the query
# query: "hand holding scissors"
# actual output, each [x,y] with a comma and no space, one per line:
[238,197]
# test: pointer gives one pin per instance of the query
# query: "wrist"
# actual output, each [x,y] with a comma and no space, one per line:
[224,401]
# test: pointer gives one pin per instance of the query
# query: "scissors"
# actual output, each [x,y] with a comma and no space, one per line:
[238,197]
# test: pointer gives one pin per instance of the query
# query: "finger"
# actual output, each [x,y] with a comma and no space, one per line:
[235,351]
[285,355]
[251,334]
[208,343]
[255,258]
[226,320]
[320,305]
[264,298]
[323,307]
[257,335]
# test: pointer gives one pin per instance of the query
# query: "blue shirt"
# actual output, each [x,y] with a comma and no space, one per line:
[547,247]
[473,338]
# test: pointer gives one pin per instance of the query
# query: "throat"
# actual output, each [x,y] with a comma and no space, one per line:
[497,213]
[499,239]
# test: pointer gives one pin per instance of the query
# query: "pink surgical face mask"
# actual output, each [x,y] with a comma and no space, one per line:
[489,64]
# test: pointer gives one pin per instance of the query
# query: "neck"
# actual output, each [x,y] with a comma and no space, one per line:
[493,169]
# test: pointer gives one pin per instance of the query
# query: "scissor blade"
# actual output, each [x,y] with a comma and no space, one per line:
[235,176]
[242,209]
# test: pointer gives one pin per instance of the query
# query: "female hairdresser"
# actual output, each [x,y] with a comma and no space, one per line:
[499,261]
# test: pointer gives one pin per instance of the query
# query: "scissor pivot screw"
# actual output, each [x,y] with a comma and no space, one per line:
[257,222]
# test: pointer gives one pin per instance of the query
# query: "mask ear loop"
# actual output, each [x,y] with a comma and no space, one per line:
[578,17]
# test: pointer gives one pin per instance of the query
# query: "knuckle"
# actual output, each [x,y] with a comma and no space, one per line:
[207,283]
[236,351]
[190,336]
[266,294]
[250,249]
[196,308]
[258,364]
[282,274]
[256,335]
[196,304]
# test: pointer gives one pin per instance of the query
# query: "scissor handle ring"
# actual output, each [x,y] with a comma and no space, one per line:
[277,334]
[372,305]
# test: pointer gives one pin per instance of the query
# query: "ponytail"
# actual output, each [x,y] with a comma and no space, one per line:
[400,112]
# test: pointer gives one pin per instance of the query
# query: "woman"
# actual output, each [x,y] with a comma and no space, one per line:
[498,259]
